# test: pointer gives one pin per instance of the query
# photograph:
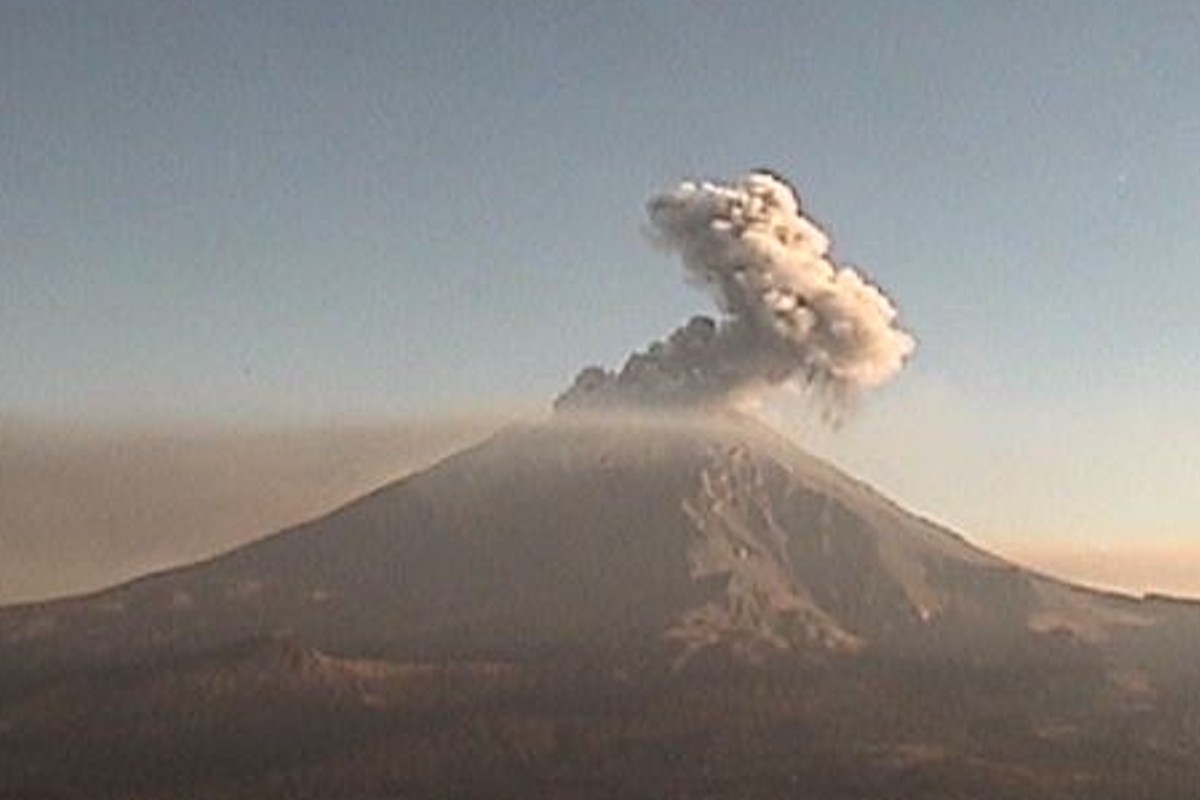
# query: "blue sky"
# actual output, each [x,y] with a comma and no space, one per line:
[282,210]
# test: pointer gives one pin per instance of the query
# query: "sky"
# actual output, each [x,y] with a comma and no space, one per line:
[306,210]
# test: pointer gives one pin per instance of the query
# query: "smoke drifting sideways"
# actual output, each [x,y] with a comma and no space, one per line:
[790,315]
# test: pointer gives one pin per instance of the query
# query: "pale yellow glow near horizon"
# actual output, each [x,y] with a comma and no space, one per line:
[1158,567]
[1103,494]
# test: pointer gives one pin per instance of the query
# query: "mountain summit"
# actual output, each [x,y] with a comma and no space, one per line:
[689,537]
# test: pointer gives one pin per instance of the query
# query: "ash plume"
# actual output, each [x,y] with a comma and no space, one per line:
[790,314]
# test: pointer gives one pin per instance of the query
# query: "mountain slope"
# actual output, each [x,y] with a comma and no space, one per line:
[682,537]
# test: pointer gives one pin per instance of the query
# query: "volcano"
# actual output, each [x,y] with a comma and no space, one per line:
[691,538]
[602,606]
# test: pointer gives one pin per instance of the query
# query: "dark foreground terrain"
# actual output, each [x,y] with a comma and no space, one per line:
[275,719]
[602,610]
